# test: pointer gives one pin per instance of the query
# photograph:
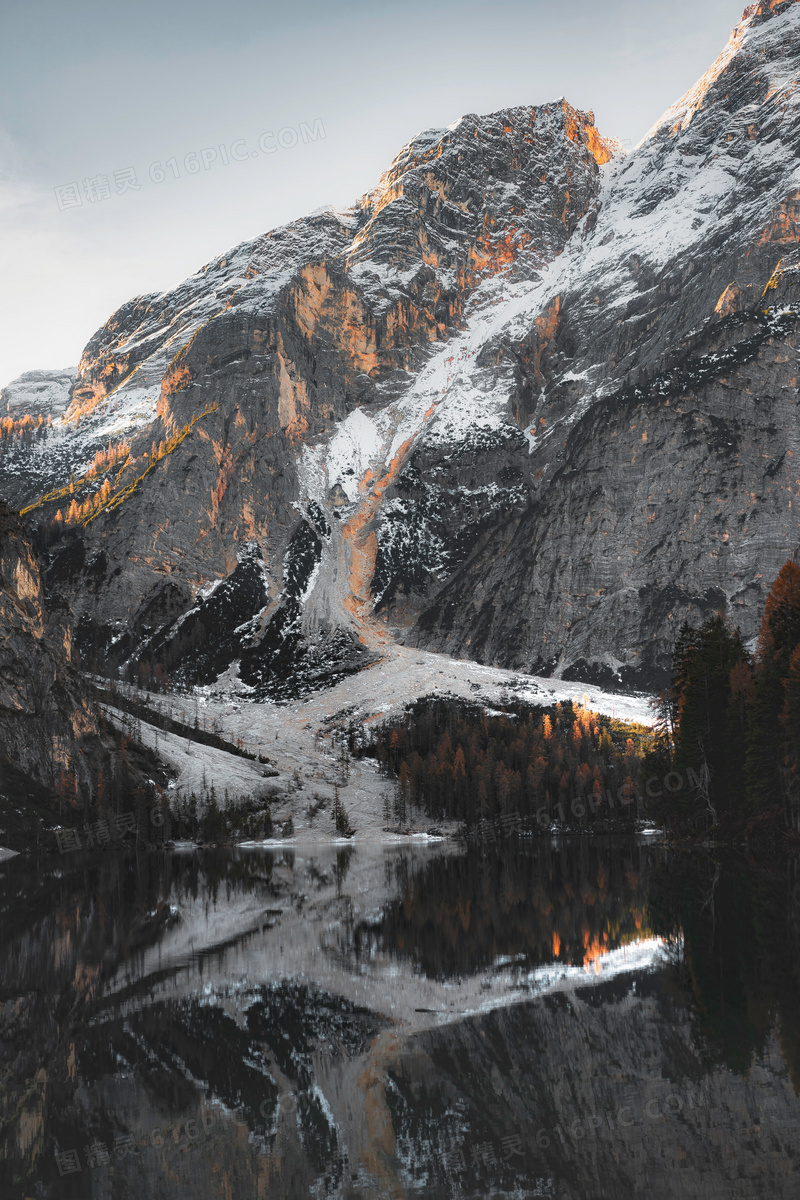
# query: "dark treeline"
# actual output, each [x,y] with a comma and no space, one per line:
[205,820]
[152,716]
[722,758]
[732,719]
[455,761]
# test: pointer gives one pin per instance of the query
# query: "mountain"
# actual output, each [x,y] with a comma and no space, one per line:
[529,401]
[661,396]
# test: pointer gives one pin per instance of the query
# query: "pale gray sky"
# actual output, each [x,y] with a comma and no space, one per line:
[96,87]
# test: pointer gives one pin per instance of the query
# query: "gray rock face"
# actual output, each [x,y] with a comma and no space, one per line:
[670,500]
[59,759]
[49,728]
[528,401]
[662,399]
[38,393]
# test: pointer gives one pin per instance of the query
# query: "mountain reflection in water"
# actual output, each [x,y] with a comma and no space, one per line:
[576,1018]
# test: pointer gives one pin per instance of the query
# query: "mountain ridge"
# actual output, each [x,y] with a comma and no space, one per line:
[399,395]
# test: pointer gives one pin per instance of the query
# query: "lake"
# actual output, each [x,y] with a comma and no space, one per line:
[576,1018]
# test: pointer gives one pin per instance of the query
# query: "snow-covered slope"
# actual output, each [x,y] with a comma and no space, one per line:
[657,387]
[527,401]
[275,395]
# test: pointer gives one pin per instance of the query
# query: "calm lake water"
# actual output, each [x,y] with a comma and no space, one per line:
[576,1019]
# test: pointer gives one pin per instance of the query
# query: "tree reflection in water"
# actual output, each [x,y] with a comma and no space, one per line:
[570,901]
[313,1093]
[736,926]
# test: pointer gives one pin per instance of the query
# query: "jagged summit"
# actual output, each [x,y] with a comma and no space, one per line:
[494,194]
[712,90]
[526,401]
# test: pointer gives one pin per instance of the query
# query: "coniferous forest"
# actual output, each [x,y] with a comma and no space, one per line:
[731,722]
[563,765]
[723,756]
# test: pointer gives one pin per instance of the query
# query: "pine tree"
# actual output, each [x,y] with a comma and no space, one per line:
[339,814]
[706,736]
[213,821]
[778,638]
[790,726]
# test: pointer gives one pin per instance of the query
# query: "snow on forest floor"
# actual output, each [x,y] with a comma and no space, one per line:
[300,737]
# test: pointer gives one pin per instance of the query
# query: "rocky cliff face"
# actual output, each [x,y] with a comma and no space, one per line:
[43,715]
[54,751]
[528,401]
[660,399]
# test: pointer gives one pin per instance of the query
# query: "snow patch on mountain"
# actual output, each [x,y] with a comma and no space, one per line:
[354,447]
[37,393]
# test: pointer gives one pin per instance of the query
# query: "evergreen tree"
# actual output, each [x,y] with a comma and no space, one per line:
[194,824]
[771,721]
[707,735]
[790,725]
[339,814]
[213,823]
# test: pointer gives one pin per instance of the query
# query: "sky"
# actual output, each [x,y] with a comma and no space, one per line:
[140,140]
